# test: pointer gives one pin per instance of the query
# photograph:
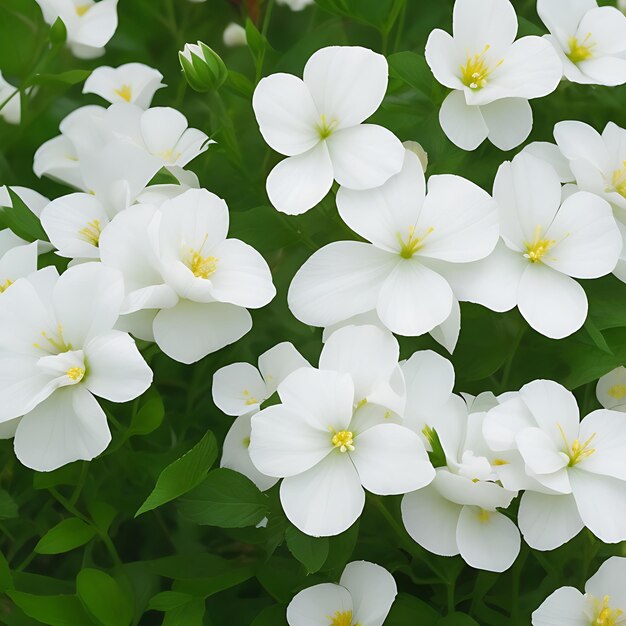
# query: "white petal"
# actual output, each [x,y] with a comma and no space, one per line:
[608,27]
[338,281]
[606,433]
[504,421]
[364,156]
[325,500]
[286,114]
[610,71]
[565,607]
[553,304]
[608,581]
[578,140]
[487,540]
[467,491]
[447,333]
[189,331]
[283,443]
[68,426]
[278,362]
[463,124]
[299,182]
[18,262]
[431,520]
[238,388]
[414,299]
[391,459]
[550,153]
[477,22]
[509,121]
[611,389]
[563,16]
[161,128]
[117,370]
[347,83]
[315,605]
[548,521]
[540,453]
[56,158]
[373,590]
[443,58]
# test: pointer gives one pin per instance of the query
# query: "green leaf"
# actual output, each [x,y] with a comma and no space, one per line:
[21,220]
[256,42]
[226,499]
[239,84]
[164,177]
[149,417]
[208,586]
[191,614]
[183,474]
[310,551]
[66,475]
[103,598]
[411,68]
[596,336]
[65,536]
[58,32]
[6,580]
[275,615]
[52,610]
[408,610]
[8,507]
[457,619]
[102,515]
[168,600]
[69,78]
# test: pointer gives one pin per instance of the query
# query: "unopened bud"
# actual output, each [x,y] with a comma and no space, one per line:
[234,35]
[203,68]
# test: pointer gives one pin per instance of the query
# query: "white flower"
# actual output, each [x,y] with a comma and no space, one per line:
[578,466]
[90,25]
[187,286]
[16,261]
[602,604]
[132,82]
[335,433]
[11,111]
[317,123]
[234,35]
[363,596]
[590,40]
[400,272]
[456,513]
[296,5]
[546,244]
[491,75]
[611,389]
[58,350]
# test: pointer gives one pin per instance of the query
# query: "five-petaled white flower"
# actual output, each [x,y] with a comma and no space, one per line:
[59,349]
[335,433]
[611,389]
[602,604]
[363,596]
[317,123]
[492,75]
[415,239]
[590,40]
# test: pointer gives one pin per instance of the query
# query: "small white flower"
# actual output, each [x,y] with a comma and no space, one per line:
[234,35]
[11,111]
[611,389]
[492,75]
[590,40]
[90,25]
[545,244]
[578,466]
[59,350]
[135,83]
[364,596]
[602,604]
[317,122]
[296,5]
[336,433]
[415,238]
[16,261]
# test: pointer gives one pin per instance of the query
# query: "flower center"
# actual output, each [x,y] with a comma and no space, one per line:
[202,266]
[81,9]
[341,618]
[605,616]
[326,127]
[75,374]
[53,344]
[580,50]
[414,242]
[91,233]
[344,440]
[484,515]
[476,71]
[617,391]
[250,399]
[537,248]
[578,451]
[5,285]
[125,92]
[619,180]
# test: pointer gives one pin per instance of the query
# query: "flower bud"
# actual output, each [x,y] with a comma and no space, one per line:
[203,68]
[234,35]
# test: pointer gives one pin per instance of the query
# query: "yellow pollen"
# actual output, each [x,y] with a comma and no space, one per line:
[91,233]
[537,248]
[5,285]
[578,451]
[344,440]
[500,462]
[125,92]
[76,373]
[246,442]
[81,9]
[413,243]
[484,515]
[580,50]
[56,344]
[605,616]
[361,403]
[476,71]
[325,128]
[619,180]
[616,391]
[341,618]
[250,399]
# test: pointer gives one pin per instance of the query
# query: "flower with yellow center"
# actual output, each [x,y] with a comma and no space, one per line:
[618,180]
[202,266]
[476,71]
[617,391]
[344,440]
[537,248]
[578,451]
[81,9]
[326,127]
[91,233]
[76,374]
[5,285]
[580,50]
[605,616]
[125,92]
[413,243]
[341,618]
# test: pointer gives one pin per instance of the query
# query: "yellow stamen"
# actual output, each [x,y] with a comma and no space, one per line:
[91,233]
[617,391]
[344,440]
[246,442]
[605,616]
[619,181]
[5,285]
[476,71]
[57,344]
[341,618]
[201,266]
[413,243]
[325,128]
[500,462]
[537,248]
[125,92]
[484,515]
[81,9]
[578,451]
[580,50]
[76,373]
[250,399]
